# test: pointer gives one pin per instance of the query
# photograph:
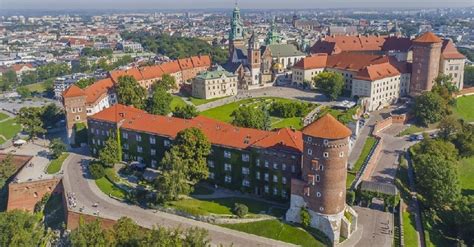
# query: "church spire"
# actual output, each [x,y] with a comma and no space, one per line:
[236,25]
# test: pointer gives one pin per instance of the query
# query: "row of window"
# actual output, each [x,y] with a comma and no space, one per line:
[325,154]
[246,183]
[152,139]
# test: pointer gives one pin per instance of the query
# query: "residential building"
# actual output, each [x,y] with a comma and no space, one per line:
[129,46]
[214,84]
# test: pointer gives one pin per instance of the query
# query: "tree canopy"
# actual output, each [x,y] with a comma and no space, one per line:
[160,101]
[429,108]
[249,117]
[7,169]
[186,112]
[109,155]
[30,119]
[57,147]
[330,84]
[130,92]
[85,82]
[20,228]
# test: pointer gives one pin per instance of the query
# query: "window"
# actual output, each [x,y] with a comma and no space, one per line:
[227,154]
[78,118]
[283,167]
[258,162]
[318,194]
[153,151]
[310,138]
[318,178]
[266,189]
[283,180]
[245,170]
[125,146]
[325,142]
[321,209]
[166,143]
[103,132]
[125,135]
[341,154]
[138,138]
[139,149]
[228,179]
[211,175]
[266,163]
[152,140]
[257,175]
[227,167]
[325,154]
[293,169]
[266,176]
[245,157]
[275,178]
[310,151]
[154,163]
[321,167]
[245,183]
[275,191]
[275,165]
[283,194]
[210,163]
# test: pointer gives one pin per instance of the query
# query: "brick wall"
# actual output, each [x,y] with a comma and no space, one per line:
[73,218]
[25,195]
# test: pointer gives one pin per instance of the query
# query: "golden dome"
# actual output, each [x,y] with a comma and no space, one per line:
[278,66]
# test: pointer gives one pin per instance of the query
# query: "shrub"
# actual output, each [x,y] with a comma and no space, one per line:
[350,197]
[287,110]
[97,170]
[305,217]
[240,210]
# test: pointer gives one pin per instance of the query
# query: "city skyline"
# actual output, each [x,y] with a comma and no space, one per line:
[213,4]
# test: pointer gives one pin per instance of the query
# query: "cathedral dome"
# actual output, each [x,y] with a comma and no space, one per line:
[278,66]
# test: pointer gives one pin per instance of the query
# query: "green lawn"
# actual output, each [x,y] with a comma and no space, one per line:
[369,143]
[277,230]
[9,129]
[465,108]
[466,176]
[197,101]
[409,230]
[3,116]
[417,129]
[177,101]
[37,87]
[223,112]
[222,206]
[109,188]
[56,164]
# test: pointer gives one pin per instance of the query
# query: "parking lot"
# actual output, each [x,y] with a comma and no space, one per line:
[14,105]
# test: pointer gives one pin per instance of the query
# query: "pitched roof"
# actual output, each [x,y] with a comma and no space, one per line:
[342,43]
[284,50]
[134,72]
[428,37]
[377,71]
[354,61]
[98,89]
[73,91]
[313,62]
[449,50]
[170,67]
[284,138]
[201,61]
[151,72]
[327,127]
[185,63]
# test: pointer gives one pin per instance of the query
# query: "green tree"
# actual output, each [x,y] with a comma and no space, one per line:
[97,170]
[57,146]
[167,82]
[305,217]
[464,140]
[10,76]
[29,77]
[104,65]
[249,117]
[173,180]
[88,234]
[160,102]
[7,169]
[448,127]
[20,228]
[463,212]
[429,108]
[437,147]
[4,84]
[330,84]
[24,92]
[196,237]
[445,88]
[240,210]
[85,82]
[51,115]
[469,75]
[30,119]
[127,233]
[186,112]
[109,154]
[130,92]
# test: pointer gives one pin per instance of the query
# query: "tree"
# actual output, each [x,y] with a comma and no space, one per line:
[30,119]
[469,75]
[130,92]
[305,217]
[172,182]
[448,127]
[20,228]
[57,146]
[463,212]
[436,180]
[10,76]
[110,154]
[97,170]
[103,65]
[127,233]
[7,169]
[249,117]
[240,210]
[85,82]
[429,108]
[88,234]
[29,77]
[464,140]
[167,82]
[24,92]
[330,84]
[186,112]
[437,147]
[51,115]
[445,88]
[159,102]
[196,237]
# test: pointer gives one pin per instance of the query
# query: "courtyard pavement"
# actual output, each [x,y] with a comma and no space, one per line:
[377,227]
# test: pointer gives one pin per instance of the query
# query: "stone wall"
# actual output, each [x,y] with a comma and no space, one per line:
[73,218]
[24,196]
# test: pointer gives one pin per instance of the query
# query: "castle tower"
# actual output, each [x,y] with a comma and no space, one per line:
[272,35]
[74,101]
[236,34]
[426,57]
[322,187]
[254,59]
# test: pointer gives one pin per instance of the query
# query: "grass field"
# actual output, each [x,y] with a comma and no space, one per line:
[277,230]
[369,143]
[223,112]
[466,176]
[37,87]
[109,188]
[222,206]
[416,129]
[409,231]
[177,101]
[197,101]
[465,108]
[56,164]
[3,116]
[8,129]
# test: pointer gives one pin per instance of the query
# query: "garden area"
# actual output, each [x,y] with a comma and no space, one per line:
[56,164]
[276,107]
[368,146]
[198,101]
[177,101]
[278,230]
[8,129]
[465,108]
[466,176]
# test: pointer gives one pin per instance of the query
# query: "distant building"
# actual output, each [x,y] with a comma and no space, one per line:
[62,83]
[129,46]
[19,69]
[337,30]
[214,84]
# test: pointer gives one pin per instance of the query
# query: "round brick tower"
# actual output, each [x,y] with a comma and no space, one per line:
[322,187]
[426,58]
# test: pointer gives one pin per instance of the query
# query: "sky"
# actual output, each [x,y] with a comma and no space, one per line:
[244,4]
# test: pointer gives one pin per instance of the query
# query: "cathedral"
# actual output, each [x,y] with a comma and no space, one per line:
[259,65]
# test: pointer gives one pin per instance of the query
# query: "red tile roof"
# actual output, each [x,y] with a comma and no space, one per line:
[201,61]
[185,63]
[428,37]
[327,127]
[315,61]
[217,132]
[377,71]
[151,72]
[449,50]
[73,91]
[134,72]
[342,43]
[170,67]
[354,61]
[98,90]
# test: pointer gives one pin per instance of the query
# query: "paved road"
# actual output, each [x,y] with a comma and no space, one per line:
[87,193]
[378,227]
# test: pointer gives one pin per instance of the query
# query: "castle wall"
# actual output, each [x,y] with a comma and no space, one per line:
[24,196]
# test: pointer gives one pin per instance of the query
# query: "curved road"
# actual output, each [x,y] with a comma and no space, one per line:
[87,193]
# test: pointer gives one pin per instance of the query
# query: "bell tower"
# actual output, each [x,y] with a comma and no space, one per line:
[236,33]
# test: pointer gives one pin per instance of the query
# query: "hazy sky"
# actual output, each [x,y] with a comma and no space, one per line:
[194,4]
